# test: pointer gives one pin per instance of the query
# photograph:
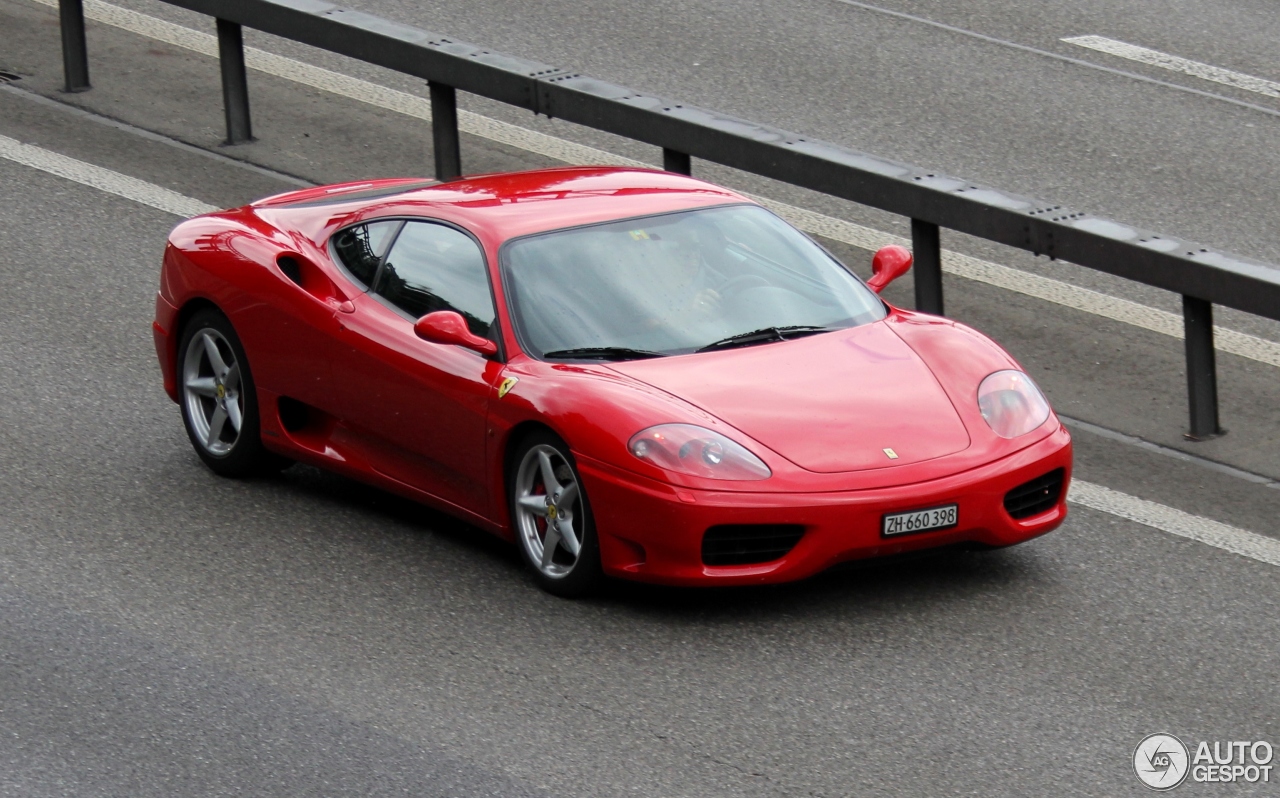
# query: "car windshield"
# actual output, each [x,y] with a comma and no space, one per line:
[677,283]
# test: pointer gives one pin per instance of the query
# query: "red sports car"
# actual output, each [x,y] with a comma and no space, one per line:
[628,373]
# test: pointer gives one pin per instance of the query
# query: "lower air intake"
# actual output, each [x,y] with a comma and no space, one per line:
[1035,497]
[748,544]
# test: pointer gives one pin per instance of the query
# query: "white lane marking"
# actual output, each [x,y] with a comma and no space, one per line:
[29,96]
[101,179]
[1058,292]
[1175,63]
[1058,56]
[1158,516]
[1176,522]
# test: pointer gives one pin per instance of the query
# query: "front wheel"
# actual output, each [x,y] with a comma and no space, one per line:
[219,404]
[552,517]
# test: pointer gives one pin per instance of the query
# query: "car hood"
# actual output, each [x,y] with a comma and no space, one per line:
[829,403]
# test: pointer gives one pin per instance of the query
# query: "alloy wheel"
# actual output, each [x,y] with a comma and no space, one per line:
[211,391]
[548,507]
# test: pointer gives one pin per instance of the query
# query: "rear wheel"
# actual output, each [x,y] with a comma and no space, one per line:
[219,404]
[552,517]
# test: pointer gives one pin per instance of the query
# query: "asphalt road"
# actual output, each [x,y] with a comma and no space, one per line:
[165,632]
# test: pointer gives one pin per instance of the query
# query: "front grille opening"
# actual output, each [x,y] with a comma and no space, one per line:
[748,544]
[1035,497]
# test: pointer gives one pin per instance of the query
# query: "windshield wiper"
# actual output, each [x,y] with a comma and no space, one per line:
[765,335]
[603,353]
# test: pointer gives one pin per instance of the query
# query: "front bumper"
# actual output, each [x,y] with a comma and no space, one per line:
[652,532]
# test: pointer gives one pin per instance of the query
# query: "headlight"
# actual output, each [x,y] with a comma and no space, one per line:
[699,452]
[1011,403]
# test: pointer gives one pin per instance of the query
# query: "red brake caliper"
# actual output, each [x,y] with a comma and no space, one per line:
[540,489]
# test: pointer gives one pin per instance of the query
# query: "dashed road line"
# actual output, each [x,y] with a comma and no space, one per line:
[1176,522]
[1173,63]
[982,37]
[1010,279]
[1157,516]
[149,135]
[102,179]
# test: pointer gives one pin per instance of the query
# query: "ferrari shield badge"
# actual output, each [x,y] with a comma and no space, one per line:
[891,454]
[506,386]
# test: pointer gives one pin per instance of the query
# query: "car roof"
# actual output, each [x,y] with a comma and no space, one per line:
[507,205]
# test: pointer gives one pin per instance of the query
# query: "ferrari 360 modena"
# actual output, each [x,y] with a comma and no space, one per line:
[628,373]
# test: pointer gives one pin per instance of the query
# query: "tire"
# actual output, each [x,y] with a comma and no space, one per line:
[216,390]
[542,461]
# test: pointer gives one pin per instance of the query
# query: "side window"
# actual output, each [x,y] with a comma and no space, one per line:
[433,267]
[360,248]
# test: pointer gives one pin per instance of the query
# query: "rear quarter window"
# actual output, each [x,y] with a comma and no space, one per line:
[360,249]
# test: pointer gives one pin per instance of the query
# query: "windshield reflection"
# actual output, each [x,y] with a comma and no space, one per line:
[676,283]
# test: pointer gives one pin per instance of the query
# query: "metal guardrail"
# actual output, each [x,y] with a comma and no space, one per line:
[1203,276]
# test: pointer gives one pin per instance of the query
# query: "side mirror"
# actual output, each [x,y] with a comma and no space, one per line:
[889,264]
[448,327]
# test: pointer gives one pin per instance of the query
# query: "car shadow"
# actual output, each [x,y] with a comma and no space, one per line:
[326,486]
[944,576]
[938,576]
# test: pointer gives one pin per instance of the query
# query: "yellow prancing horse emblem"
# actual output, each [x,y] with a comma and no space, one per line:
[891,454]
[506,386]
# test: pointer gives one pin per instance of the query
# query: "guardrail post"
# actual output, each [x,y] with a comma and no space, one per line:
[926,248]
[75,53]
[676,161]
[235,82]
[1202,372]
[444,131]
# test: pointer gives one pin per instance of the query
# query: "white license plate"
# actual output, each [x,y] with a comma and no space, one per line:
[921,520]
